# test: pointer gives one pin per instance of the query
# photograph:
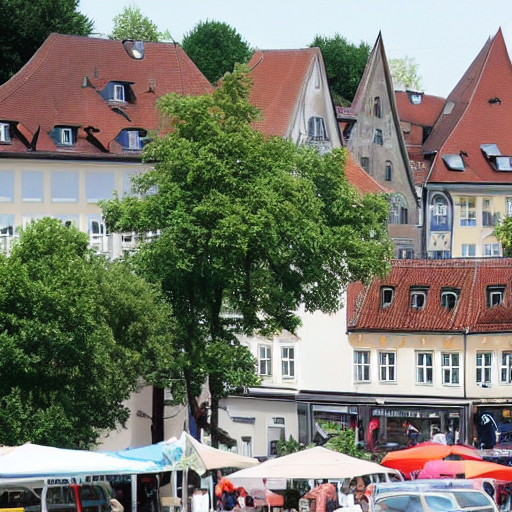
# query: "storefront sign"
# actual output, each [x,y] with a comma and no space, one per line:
[400,413]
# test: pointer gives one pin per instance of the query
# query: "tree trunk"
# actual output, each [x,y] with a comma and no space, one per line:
[157,426]
[214,422]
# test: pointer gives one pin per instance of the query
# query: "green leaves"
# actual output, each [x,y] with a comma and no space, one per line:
[344,65]
[215,48]
[248,225]
[132,24]
[77,333]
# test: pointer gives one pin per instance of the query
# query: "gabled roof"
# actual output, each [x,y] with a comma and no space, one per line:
[278,79]
[360,179]
[421,114]
[469,119]
[60,86]
[470,276]
[358,103]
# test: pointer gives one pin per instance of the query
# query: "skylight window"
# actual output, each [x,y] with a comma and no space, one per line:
[490,150]
[453,162]
[503,163]
[387,294]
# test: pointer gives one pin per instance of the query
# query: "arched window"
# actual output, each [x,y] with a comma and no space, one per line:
[398,210]
[439,213]
[388,173]
[376,107]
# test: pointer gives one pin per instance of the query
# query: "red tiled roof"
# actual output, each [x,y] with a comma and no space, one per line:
[60,84]
[474,121]
[360,179]
[470,276]
[278,77]
[423,114]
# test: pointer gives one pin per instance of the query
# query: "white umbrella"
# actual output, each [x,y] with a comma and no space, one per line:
[312,464]
[32,460]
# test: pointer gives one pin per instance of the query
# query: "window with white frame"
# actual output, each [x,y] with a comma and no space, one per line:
[119,92]
[387,366]
[492,249]
[449,298]
[483,367]
[439,214]
[468,250]
[488,217]
[5,132]
[418,297]
[450,363]
[362,365]
[467,211]
[134,140]
[66,136]
[247,446]
[316,129]
[506,367]
[509,207]
[495,295]
[424,368]
[387,293]
[265,360]
[288,362]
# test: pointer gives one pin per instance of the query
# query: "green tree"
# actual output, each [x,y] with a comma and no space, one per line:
[215,48]
[132,24]
[344,65]
[24,26]
[503,232]
[248,224]
[405,73]
[77,332]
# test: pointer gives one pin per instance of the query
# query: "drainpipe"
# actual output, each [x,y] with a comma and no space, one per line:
[466,331]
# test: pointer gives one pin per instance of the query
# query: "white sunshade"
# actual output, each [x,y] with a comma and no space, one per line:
[315,463]
[200,458]
[32,460]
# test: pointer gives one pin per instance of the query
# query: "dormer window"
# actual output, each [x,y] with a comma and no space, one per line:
[418,297]
[5,132]
[64,135]
[495,295]
[449,298]
[132,140]
[493,155]
[118,92]
[453,162]
[387,293]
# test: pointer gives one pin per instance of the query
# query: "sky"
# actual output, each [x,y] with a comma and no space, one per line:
[443,36]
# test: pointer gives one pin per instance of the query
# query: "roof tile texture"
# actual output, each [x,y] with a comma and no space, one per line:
[278,77]
[423,114]
[49,90]
[475,121]
[470,276]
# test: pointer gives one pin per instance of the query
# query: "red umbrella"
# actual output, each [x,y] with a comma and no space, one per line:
[468,468]
[413,459]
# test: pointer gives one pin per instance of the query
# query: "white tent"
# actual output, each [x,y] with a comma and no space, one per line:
[32,460]
[312,464]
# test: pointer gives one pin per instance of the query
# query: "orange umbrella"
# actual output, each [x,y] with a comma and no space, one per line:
[468,468]
[413,459]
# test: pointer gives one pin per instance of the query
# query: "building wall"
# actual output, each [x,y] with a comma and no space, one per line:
[260,420]
[315,101]
[479,236]
[80,209]
[363,145]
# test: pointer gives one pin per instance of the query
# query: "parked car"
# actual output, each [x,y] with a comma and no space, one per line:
[428,496]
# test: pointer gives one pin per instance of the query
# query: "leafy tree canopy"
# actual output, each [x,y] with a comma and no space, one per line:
[215,48]
[248,224]
[405,73]
[503,232]
[344,65]
[132,24]
[77,332]
[24,26]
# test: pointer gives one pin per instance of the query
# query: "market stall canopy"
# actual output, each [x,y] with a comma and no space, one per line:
[188,453]
[413,459]
[465,469]
[32,460]
[315,463]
